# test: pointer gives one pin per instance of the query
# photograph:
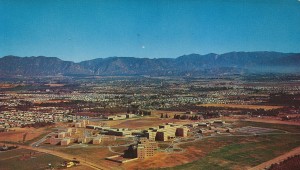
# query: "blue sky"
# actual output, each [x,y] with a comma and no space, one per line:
[78,30]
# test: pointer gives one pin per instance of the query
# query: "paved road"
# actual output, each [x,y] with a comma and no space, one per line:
[39,142]
[109,148]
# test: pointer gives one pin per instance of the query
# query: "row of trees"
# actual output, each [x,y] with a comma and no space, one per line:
[289,163]
[260,112]
[296,118]
[38,124]
[285,99]
[184,117]
[197,117]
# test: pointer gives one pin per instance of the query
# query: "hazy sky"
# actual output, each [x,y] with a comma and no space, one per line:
[85,29]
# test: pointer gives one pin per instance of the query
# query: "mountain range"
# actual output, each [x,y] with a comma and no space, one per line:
[192,64]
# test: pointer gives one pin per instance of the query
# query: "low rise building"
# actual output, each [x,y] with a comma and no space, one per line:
[85,140]
[61,134]
[97,141]
[119,132]
[54,141]
[182,132]
[65,141]
[108,138]
[151,134]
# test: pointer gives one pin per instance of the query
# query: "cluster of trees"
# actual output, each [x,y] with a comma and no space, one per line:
[38,124]
[5,148]
[183,108]
[296,118]
[184,117]
[207,89]
[195,108]
[76,105]
[135,109]
[285,99]
[130,152]
[261,112]
[143,112]
[164,116]
[109,110]
[24,105]
[3,108]
[290,163]
[209,115]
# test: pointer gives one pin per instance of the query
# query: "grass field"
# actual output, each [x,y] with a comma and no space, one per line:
[242,152]
[21,159]
[239,106]
[288,128]
[226,152]
[163,159]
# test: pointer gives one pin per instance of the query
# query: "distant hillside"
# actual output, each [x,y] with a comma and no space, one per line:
[193,64]
[37,66]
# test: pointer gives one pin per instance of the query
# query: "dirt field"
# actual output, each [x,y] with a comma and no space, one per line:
[166,160]
[242,106]
[17,134]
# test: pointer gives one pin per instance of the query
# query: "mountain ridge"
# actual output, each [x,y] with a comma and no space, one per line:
[191,64]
